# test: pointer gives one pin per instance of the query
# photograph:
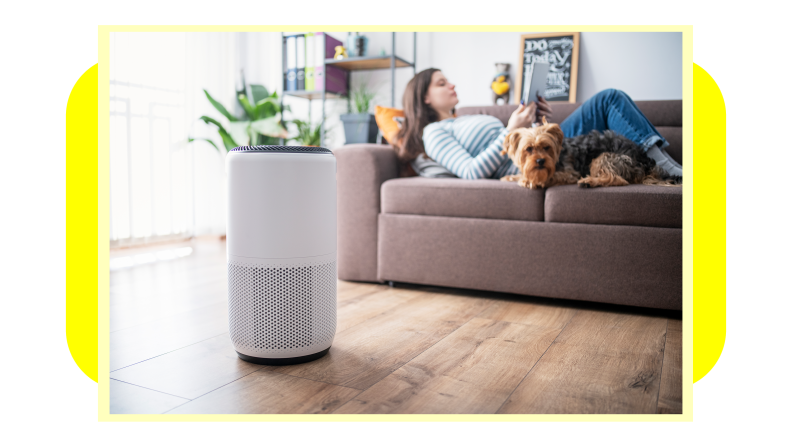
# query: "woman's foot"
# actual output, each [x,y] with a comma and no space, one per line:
[664,160]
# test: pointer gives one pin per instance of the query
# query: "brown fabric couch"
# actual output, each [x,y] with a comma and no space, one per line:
[620,245]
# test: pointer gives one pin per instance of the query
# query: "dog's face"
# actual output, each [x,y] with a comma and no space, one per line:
[535,151]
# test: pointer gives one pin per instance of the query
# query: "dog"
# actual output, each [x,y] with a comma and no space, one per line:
[545,158]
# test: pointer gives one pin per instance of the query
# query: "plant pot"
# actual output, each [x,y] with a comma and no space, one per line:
[359,128]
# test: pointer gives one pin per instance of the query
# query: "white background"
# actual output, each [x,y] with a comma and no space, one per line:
[46,46]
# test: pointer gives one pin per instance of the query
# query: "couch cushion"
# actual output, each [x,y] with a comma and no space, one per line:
[633,205]
[453,197]
[625,265]
[662,113]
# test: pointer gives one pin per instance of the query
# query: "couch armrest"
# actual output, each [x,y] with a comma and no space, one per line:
[362,168]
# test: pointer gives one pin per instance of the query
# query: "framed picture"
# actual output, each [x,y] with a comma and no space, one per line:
[560,50]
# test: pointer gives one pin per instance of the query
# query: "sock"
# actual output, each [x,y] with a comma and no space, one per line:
[664,160]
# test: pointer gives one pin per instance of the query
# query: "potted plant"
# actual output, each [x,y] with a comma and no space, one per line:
[359,124]
[261,123]
[307,135]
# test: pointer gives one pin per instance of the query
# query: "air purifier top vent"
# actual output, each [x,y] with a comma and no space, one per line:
[282,149]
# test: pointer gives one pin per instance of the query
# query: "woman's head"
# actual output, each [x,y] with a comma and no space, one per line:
[428,98]
[441,95]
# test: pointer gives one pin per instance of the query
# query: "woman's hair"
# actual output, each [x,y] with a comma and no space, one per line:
[417,115]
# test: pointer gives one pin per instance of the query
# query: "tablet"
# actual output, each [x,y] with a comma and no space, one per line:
[537,83]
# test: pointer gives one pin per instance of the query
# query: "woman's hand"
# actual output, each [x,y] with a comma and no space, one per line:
[524,116]
[543,109]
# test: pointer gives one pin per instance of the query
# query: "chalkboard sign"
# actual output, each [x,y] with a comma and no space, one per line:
[560,50]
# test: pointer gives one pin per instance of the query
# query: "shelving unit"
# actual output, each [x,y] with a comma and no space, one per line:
[351,64]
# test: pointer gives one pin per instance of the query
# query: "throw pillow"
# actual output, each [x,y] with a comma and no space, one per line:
[386,122]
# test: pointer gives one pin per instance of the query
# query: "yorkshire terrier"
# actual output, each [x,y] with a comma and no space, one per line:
[545,158]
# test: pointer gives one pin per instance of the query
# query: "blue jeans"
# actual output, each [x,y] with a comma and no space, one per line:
[613,110]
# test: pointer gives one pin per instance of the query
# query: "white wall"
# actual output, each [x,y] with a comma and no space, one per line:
[647,66]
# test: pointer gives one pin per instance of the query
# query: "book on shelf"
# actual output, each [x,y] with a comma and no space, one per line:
[327,77]
[310,58]
[300,62]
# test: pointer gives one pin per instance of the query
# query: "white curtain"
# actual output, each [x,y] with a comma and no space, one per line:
[161,186]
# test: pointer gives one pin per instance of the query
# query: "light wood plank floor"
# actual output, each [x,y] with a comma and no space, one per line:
[407,349]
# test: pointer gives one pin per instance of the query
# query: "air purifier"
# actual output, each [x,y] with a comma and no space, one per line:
[281,253]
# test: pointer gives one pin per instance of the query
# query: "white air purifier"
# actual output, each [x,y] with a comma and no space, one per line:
[281,242]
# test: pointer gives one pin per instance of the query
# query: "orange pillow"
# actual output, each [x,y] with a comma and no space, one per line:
[387,125]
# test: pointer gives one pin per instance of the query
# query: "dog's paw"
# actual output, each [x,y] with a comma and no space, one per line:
[527,184]
[511,178]
[585,183]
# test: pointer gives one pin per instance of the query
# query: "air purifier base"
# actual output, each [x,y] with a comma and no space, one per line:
[283,361]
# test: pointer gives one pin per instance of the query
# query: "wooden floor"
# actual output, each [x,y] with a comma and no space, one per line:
[408,349]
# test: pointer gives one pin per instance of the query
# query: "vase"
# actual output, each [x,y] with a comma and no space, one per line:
[361,46]
[359,128]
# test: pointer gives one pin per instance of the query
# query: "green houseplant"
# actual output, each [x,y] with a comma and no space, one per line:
[260,124]
[307,134]
[359,124]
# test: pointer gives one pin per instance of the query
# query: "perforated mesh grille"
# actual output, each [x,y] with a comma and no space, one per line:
[281,308]
[281,149]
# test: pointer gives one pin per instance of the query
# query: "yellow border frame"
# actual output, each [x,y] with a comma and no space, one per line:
[103,228]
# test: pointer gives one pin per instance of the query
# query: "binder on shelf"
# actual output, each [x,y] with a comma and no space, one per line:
[300,62]
[310,59]
[336,80]
[305,68]
[291,63]
[318,63]
[329,77]
[330,44]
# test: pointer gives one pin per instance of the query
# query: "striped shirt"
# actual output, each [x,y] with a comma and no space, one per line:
[469,146]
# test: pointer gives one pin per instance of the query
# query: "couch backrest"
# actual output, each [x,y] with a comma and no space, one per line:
[666,116]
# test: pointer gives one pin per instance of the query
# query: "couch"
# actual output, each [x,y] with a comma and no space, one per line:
[617,245]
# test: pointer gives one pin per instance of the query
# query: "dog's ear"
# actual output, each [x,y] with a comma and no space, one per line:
[510,142]
[544,120]
[556,131]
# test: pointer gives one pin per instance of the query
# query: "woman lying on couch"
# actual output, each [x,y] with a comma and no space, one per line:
[469,146]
